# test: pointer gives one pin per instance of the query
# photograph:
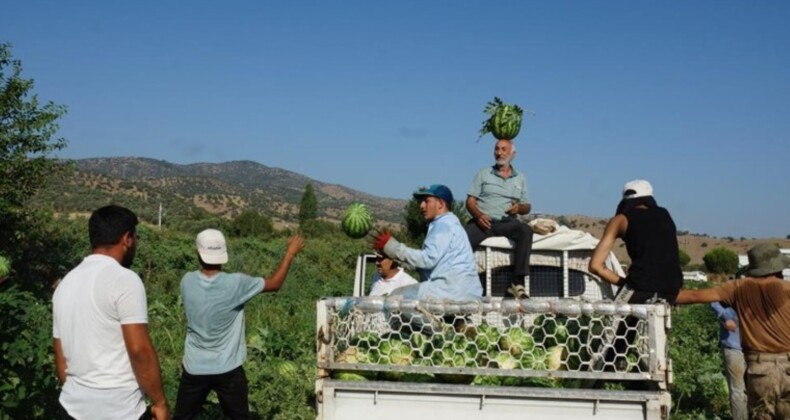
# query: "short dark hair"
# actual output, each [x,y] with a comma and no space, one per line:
[108,224]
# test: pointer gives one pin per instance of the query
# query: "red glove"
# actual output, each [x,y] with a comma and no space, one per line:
[381,240]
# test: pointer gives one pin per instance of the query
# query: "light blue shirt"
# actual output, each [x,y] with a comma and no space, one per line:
[728,339]
[495,195]
[215,320]
[446,263]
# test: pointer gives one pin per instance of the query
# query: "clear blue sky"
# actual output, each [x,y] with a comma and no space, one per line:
[387,96]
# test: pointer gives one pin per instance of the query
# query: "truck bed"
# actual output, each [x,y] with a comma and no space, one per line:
[383,400]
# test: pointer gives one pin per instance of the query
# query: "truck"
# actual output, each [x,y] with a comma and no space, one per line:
[571,354]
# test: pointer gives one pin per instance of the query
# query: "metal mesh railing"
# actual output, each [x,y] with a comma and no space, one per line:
[529,342]
[553,274]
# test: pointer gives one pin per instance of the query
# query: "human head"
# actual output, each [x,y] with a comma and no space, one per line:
[211,247]
[504,152]
[386,265]
[766,260]
[114,226]
[434,200]
[636,193]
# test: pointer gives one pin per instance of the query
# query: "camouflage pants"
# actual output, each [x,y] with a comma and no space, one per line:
[768,385]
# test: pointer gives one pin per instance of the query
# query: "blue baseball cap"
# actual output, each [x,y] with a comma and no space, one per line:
[436,190]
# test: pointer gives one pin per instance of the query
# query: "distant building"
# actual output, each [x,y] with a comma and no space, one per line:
[743,262]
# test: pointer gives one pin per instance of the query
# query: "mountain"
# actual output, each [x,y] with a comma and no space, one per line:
[199,190]
[222,189]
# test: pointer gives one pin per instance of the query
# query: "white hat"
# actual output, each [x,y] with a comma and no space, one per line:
[637,188]
[211,247]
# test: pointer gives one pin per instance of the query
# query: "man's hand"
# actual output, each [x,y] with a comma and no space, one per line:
[380,240]
[513,210]
[730,325]
[160,411]
[295,244]
[484,221]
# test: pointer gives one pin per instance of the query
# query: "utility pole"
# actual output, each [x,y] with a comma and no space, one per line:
[159,224]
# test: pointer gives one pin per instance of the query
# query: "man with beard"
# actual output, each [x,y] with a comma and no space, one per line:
[497,196]
[103,353]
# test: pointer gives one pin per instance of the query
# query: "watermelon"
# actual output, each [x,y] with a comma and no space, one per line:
[5,267]
[288,370]
[504,121]
[357,220]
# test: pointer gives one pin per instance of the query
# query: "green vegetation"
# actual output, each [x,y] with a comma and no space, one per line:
[308,208]
[721,260]
[685,259]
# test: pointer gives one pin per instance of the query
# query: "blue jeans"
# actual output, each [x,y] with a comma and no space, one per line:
[735,371]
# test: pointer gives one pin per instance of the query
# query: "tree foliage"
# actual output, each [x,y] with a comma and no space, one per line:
[685,259]
[26,141]
[308,208]
[251,223]
[721,260]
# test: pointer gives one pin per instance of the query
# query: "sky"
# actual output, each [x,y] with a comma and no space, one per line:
[385,97]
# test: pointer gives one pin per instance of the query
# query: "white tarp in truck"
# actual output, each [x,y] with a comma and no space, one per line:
[558,265]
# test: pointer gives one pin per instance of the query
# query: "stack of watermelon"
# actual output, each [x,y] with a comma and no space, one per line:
[504,121]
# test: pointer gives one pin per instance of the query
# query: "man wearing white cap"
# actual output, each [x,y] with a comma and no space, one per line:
[650,238]
[215,347]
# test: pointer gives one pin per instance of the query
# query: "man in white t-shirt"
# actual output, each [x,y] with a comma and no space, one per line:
[103,353]
[215,348]
[389,277]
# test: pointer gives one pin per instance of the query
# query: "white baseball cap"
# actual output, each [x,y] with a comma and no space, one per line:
[212,247]
[637,188]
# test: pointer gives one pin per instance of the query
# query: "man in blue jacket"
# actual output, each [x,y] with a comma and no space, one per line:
[446,262]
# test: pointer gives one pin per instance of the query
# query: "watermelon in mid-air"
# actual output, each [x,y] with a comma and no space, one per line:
[357,221]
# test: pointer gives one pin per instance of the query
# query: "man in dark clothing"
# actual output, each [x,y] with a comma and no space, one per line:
[650,238]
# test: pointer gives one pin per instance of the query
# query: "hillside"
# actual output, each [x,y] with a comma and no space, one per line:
[696,245]
[226,189]
[223,189]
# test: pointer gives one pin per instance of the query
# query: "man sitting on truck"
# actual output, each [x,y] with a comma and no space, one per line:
[498,194]
[446,263]
[762,302]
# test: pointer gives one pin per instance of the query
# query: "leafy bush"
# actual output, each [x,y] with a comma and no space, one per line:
[28,384]
[721,260]
[699,390]
[685,259]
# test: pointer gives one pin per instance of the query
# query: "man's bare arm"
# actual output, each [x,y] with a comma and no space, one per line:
[698,296]
[482,219]
[275,281]
[60,361]
[597,264]
[145,365]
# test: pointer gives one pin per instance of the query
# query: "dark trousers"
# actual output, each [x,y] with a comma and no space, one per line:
[512,229]
[231,388]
